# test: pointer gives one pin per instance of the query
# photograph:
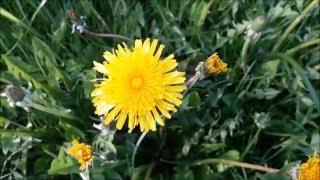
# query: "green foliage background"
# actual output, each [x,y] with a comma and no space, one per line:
[267,115]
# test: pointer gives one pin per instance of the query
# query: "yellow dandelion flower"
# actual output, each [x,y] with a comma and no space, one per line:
[214,65]
[138,86]
[310,170]
[82,152]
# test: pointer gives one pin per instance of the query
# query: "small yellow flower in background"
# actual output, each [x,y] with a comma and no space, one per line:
[214,65]
[138,86]
[310,170]
[82,152]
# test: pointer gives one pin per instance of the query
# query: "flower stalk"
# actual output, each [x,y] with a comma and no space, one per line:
[199,74]
[244,53]
[136,149]
[304,45]
[253,32]
[235,163]
[107,35]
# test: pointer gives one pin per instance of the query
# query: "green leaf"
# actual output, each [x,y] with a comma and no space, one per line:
[194,99]
[267,93]
[275,176]
[270,68]
[20,69]
[3,121]
[183,173]
[305,80]
[86,81]
[315,141]
[199,11]
[72,132]
[41,165]
[204,172]
[231,155]
[270,93]
[63,164]
[208,148]
[204,12]
[43,51]
[9,144]
[13,18]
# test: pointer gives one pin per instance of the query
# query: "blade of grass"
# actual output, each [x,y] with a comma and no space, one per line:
[294,23]
[43,2]
[304,45]
[17,67]
[14,19]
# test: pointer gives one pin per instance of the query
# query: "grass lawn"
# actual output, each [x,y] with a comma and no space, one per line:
[259,118]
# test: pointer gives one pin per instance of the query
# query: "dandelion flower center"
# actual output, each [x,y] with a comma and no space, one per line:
[139,86]
[137,82]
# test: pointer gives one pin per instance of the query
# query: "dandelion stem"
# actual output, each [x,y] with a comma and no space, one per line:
[252,141]
[191,82]
[304,45]
[195,78]
[107,35]
[235,163]
[136,148]
[244,53]
[293,24]
[85,174]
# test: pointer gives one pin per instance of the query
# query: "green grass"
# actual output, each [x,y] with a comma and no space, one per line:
[264,111]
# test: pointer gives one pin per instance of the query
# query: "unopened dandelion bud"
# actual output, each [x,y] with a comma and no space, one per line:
[14,93]
[214,65]
[78,22]
[255,26]
[17,96]
[262,119]
[259,23]
[310,170]
[82,153]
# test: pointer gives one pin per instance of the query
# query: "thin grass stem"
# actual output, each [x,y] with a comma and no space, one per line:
[252,141]
[106,35]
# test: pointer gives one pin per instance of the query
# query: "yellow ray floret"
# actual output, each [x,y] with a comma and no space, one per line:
[82,153]
[139,87]
[310,170]
[214,65]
